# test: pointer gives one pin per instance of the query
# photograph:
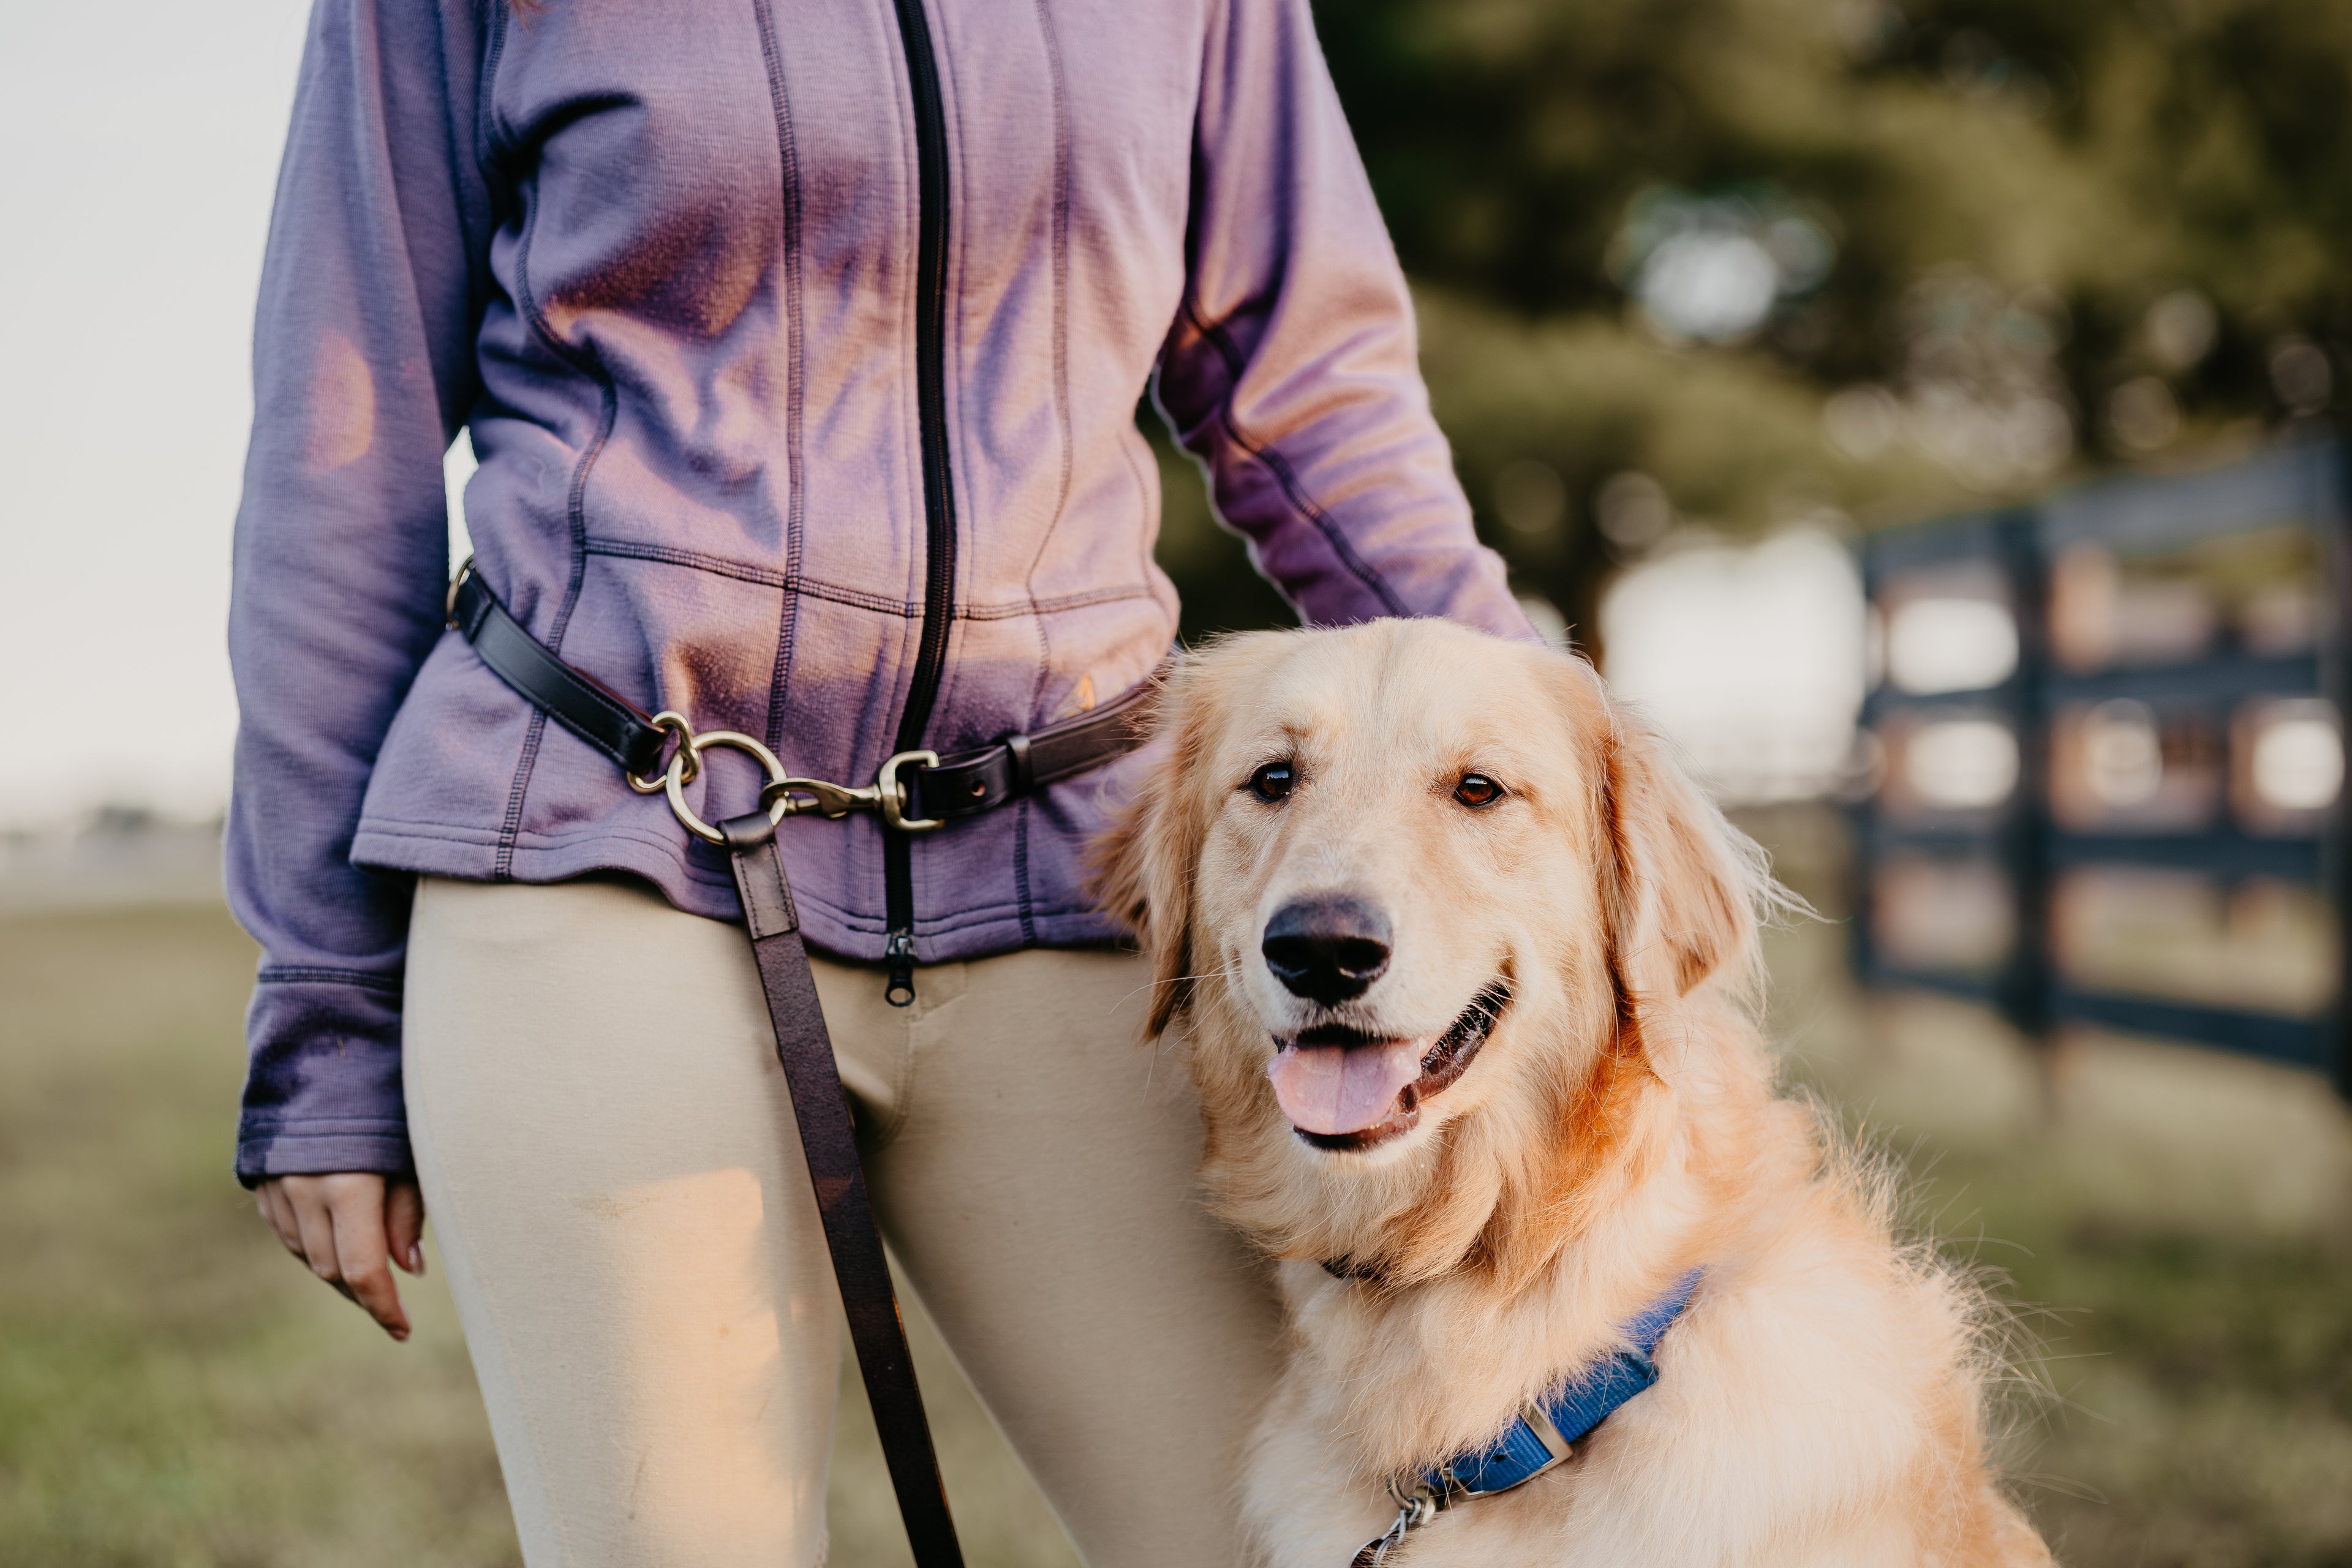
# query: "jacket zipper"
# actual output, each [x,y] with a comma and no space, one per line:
[939,493]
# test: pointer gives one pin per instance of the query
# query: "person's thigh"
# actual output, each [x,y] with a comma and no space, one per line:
[1036,1175]
[609,1162]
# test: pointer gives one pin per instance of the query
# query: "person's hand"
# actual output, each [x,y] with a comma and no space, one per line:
[347,1227]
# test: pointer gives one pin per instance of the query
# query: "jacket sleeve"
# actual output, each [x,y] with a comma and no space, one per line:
[363,373]
[1292,371]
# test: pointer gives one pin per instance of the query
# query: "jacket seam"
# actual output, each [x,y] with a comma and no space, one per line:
[787,580]
[1287,478]
[589,363]
[493,139]
[477,838]
[576,510]
[999,912]
[527,757]
[1058,604]
[545,843]
[1060,252]
[491,135]
[312,974]
[539,843]
[1147,493]
[857,598]
[1058,249]
[510,821]
[477,262]
[1021,873]
[795,503]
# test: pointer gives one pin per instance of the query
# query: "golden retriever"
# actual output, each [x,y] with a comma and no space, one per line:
[1464,968]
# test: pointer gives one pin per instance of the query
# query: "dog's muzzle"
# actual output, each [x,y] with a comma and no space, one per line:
[1393,1111]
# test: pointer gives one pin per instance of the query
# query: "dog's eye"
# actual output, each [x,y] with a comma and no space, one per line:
[1271,782]
[1477,790]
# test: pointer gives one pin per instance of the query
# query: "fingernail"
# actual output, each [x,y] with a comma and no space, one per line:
[400,1335]
[416,1259]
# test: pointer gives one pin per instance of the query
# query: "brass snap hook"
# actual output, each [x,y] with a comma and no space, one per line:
[828,800]
[888,793]
[784,794]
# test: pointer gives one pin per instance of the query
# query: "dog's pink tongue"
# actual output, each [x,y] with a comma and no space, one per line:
[1342,1088]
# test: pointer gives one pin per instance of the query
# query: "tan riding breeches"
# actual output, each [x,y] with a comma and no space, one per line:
[608,1159]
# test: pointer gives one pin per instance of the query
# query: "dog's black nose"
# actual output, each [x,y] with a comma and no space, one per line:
[1327,949]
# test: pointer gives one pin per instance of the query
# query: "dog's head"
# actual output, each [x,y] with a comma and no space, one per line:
[1440,916]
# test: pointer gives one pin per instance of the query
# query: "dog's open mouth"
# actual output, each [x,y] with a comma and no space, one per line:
[1343,1088]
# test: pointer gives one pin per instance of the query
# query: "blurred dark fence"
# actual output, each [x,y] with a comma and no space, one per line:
[2108,760]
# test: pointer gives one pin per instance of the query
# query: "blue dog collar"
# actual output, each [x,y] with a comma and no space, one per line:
[1541,1436]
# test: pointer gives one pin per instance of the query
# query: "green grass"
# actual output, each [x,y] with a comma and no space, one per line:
[2211,1406]
[2171,1230]
[175,1392]
[2185,1395]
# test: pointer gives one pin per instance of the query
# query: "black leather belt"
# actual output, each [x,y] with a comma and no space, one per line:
[913,792]
[965,784]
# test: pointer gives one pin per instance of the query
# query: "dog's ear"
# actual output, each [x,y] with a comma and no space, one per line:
[1678,891]
[1680,884]
[1142,867]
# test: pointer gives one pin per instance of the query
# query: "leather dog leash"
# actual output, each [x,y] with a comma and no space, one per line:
[913,792]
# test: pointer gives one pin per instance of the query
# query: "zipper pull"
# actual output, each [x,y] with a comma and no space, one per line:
[900,954]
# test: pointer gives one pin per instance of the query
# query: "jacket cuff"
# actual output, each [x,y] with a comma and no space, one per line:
[322,1091]
[322,1149]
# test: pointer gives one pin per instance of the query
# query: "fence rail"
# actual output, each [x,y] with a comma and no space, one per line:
[2108,733]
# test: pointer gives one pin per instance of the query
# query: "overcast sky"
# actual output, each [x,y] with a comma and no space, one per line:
[139,143]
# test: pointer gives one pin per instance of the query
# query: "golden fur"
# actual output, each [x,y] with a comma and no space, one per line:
[1821,1400]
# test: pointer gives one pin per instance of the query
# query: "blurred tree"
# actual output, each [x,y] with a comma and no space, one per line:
[1733,261]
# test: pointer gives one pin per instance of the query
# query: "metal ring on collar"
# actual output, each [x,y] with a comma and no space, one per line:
[690,752]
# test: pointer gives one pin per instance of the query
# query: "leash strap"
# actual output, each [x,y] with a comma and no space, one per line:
[829,1142]
[913,792]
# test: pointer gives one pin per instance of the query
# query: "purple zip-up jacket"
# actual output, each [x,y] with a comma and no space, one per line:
[663,258]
